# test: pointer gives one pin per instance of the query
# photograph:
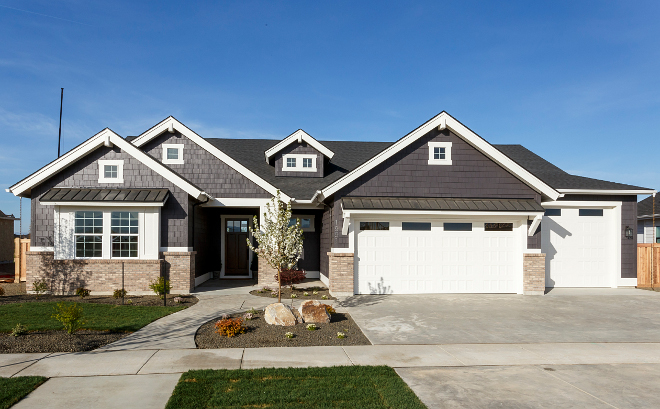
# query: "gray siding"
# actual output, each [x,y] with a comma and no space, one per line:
[85,173]
[628,219]
[302,148]
[325,240]
[205,170]
[408,174]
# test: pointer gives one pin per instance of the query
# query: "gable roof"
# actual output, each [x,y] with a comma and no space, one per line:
[299,136]
[645,207]
[170,124]
[560,180]
[104,138]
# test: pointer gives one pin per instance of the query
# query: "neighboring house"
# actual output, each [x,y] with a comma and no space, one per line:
[645,228]
[7,244]
[438,211]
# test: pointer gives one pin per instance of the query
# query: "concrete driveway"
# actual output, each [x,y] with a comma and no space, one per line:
[562,315]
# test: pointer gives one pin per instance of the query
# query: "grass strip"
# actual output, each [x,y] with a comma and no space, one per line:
[14,389]
[365,387]
[100,317]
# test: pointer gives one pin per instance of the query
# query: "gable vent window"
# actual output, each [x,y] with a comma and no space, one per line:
[173,154]
[299,162]
[111,171]
[440,153]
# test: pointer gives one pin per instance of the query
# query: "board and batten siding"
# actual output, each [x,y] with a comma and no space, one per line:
[205,170]
[85,174]
[408,174]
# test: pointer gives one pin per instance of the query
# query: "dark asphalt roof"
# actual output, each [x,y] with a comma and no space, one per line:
[555,177]
[645,207]
[105,195]
[415,203]
[348,156]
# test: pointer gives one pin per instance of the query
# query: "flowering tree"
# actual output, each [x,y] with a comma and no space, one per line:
[279,244]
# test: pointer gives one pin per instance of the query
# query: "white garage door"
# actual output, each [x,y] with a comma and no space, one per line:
[577,247]
[408,258]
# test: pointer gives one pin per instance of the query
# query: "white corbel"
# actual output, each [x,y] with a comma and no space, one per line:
[443,124]
[534,225]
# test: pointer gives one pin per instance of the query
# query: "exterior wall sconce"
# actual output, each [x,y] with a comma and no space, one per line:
[629,232]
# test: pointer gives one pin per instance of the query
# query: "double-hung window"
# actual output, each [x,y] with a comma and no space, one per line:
[307,162]
[88,233]
[124,234]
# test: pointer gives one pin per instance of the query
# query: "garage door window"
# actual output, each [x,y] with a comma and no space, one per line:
[374,225]
[498,226]
[458,226]
[553,212]
[416,226]
[591,212]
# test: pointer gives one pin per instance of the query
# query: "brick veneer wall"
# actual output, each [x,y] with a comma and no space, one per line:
[179,268]
[534,274]
[341,274]
[266,274]
[99,276]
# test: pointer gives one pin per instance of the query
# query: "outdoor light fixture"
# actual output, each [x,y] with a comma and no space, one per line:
[629,232]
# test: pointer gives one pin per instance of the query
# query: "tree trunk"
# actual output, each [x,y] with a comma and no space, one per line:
[279,283]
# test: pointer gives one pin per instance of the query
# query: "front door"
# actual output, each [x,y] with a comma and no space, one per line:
[236,250]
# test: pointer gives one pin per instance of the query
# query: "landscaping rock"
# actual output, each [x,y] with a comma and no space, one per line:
[314,311]
[279,314]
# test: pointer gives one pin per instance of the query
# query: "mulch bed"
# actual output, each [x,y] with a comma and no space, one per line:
[13,288]
[260,334]
[57,341]
[299,291]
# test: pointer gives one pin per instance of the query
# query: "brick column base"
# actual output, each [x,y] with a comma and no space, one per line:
[340,268]
[179,268]
[266,275]
[533,274]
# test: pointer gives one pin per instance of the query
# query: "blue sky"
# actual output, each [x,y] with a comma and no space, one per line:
[576,82]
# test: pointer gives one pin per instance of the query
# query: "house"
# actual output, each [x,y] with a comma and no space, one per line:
[645,220]
[7,246]
[440,210]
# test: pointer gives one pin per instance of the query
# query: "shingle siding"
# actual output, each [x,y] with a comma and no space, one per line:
[205,170]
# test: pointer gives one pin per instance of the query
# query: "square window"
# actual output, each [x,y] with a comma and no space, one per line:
[172,153]
[439,153]
[110,171]
[290,162]
[307,162]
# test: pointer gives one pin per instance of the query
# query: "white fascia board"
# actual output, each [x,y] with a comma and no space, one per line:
[444,120]
[298,136]
[606,192]
[349,213]
[103,204]
[573,204]
[236,202]
[170,122]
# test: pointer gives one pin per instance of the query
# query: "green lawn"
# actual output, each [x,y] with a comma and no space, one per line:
[14,389]
[364,387]
[103,317]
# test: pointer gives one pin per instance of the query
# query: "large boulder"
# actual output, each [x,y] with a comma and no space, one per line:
[279,314]
[314,311]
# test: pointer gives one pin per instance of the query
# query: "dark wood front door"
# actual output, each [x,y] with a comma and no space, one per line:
[236,250]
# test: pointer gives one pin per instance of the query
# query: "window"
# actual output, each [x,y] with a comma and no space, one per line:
[124,234]
[458,226]
[374,225]
[173,153]
[416,226]
[440,153]
[237,226]
[111,171]
[498,226]
[299,162]
[552,212]
[306,222]
[591,212]
[88,234]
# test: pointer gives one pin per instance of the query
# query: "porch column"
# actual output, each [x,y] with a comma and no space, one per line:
[340,266]
[534,274]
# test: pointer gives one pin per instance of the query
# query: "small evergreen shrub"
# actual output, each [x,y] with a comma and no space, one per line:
[19,329]
[70,316]
[119,293]
[160,286]
[230,327]
[82,292]
[40,287]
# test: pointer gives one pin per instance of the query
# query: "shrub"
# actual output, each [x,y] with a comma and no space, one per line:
[18,330]
[119,293]
[311,327]
[290,277]
[82,292]
[248,316]
[341,335]
[315,292]
[289,335]
[253,311]
[324,297]
[230,327]
[70,315]
[274,295]
[305,293]
[294,296]
[2,291]
[160,286]
[329,309]
[40,287]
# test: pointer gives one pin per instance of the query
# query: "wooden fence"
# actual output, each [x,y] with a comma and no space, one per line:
[648,259]
[21,246]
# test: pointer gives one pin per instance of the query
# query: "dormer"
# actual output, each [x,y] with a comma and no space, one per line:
[299,155]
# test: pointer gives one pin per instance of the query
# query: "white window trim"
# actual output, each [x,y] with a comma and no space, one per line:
[120,171]
[447,146]
[299,162]
[305,216]
[179,148]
